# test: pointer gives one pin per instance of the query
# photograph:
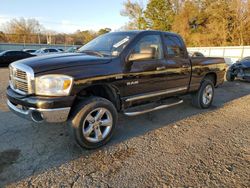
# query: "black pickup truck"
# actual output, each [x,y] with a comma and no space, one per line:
[132,72]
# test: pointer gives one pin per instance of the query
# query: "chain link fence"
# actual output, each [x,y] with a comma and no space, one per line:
[7,46]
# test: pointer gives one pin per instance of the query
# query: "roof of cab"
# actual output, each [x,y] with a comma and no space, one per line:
[146,31]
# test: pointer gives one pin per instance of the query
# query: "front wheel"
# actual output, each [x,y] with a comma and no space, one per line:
[93,122]
[203,98]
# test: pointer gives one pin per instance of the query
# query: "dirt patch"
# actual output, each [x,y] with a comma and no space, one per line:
[8,157]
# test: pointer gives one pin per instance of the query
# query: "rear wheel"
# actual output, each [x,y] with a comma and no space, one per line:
[203,98]
[93,122]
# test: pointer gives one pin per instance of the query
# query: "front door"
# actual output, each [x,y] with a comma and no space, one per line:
[146,75]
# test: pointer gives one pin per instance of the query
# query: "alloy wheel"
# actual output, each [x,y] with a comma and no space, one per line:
[97,125]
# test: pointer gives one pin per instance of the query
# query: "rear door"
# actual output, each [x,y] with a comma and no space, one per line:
[178,64]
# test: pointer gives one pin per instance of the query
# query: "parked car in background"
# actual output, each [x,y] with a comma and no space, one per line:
[72,49]
[7,57]
[29,50]
[44,51]
[60,49]
[240,70]
[195,54]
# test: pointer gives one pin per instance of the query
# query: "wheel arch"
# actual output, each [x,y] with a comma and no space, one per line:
[212,76]
[106,91]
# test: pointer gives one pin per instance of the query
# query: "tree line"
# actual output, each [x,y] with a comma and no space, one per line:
[31,31]
[199,22]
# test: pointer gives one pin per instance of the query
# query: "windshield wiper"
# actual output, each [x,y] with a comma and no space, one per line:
[92,52]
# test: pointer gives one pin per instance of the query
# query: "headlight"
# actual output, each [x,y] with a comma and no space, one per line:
[53,85]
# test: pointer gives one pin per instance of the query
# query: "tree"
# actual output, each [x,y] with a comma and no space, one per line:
[240,13]
[219,22]
[2,37]
[25,30]
[159,15]
[60,38]
[177,5]
[246,32]
[103,31]
[190,23]
[135,12]
[83,37]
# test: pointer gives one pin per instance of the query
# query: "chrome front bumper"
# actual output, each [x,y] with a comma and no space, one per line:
[57,115]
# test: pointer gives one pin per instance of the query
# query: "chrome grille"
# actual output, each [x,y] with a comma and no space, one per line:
[21,74]
[20,79]
[22,86]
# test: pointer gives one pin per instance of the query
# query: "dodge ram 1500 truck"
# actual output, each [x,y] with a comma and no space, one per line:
[132,72]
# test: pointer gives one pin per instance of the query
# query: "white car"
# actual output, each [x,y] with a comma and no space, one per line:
[44,51]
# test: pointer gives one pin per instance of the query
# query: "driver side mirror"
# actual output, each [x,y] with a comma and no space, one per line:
[145,54]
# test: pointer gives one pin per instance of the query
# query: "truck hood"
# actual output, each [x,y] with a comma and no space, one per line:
[63,60]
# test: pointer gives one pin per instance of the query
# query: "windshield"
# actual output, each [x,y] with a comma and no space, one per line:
[71,49]
[110,44]
[38,51]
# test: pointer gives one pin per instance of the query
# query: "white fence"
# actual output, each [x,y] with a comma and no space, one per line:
[230,53]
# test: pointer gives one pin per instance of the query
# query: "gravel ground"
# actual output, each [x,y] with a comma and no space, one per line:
[178,147]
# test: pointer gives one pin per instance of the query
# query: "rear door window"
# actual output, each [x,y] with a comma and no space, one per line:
[174,46]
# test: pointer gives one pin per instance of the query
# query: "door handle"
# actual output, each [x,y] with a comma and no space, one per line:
[160,68]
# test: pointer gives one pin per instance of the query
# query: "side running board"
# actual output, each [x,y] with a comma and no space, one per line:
[151,107]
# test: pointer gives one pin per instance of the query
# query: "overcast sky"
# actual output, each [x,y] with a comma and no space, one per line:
[65,15]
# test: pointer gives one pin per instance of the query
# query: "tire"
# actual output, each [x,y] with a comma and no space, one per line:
[89,130]
[229,76]
[203,98]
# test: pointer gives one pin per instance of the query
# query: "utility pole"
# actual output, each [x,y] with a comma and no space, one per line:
[48,38]
[39,39]
[24,40]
